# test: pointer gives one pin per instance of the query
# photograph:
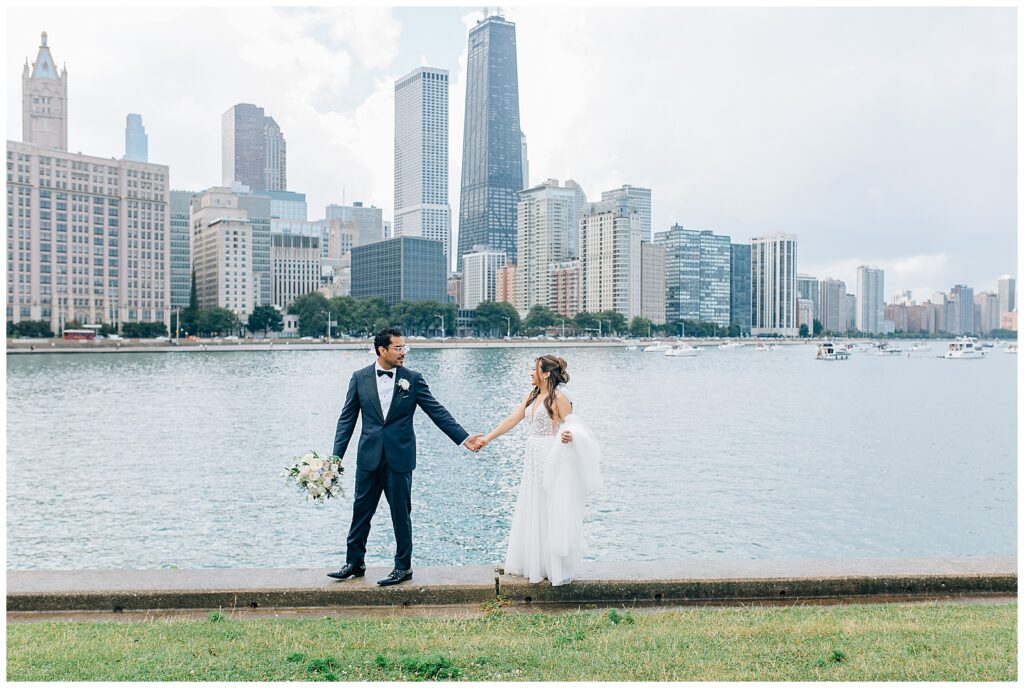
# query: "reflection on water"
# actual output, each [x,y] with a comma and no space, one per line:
[150,460]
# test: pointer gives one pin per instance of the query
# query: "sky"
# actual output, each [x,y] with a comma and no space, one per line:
[878,136]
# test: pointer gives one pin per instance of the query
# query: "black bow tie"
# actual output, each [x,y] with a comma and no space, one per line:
[389,373]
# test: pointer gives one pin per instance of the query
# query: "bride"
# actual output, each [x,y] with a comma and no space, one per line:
[559,470]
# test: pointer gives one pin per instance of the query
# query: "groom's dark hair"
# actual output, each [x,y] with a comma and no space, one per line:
[383,338]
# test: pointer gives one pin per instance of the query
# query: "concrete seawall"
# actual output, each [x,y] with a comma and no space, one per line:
[597,582]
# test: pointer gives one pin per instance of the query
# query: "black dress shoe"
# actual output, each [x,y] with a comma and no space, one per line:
[396,576]
[349,571]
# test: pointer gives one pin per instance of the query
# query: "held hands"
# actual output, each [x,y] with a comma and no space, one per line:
[476,442]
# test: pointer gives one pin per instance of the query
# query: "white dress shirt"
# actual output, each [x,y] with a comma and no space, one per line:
[385,387]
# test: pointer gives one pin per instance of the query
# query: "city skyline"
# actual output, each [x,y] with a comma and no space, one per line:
[896,200]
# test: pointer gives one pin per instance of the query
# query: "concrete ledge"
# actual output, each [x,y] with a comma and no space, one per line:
[627,582]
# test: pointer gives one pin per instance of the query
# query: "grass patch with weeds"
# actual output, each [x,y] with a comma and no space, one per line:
[907,642]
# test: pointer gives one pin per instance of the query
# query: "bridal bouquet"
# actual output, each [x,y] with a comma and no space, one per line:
[316,476]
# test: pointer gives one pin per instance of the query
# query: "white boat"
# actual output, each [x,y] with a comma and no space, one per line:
[656,347]
[730,345]
[884,349]
[965,347]
[682,350]
[987,345]
[632,347]
[827,351]
[1010,349]
[917,348]
[765,347]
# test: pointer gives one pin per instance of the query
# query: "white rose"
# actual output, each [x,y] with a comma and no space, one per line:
[404,384]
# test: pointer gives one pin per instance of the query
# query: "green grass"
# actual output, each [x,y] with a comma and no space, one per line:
[936,642]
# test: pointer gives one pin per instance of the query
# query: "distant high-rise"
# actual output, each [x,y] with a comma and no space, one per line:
[960,310]
[545,221]
[479,276]
[832,305]
[275,158]
[253,149]
[136,143]
[181,252]
[421,157]
[222,252]
[697,282]
[610,257]
[492,153]
[807,288]
[773,285]
[369,220]
[652,282]
[870,299]
[739,287]
[641,198]
[988,312]
[1007,294]
[44,102]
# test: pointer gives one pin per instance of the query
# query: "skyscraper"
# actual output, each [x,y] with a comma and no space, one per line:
[136,143]
[807,288]
[832,305]
[369,220]
[641,198]
[697,267]
[870,299]
[44,102]
[253,149]
[546,219]
[652,282]
[479,276]
[739,287]
[1007,294]
[421,157]
[492,154]
[610,257]
[960,310]
[181,251]
[773,285]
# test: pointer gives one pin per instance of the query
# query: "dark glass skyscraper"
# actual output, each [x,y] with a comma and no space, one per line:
[492,154]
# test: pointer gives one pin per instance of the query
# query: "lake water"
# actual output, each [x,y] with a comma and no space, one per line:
[149,460]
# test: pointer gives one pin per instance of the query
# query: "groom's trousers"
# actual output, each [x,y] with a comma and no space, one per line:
[397,489]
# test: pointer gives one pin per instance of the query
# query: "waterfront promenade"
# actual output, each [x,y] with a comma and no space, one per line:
[625,583]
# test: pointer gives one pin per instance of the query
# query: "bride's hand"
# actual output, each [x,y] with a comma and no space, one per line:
[566,436]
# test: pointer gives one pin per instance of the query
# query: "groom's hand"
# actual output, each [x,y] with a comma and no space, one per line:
[475,443]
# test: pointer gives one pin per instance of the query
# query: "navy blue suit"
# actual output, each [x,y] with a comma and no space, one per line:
[386,454]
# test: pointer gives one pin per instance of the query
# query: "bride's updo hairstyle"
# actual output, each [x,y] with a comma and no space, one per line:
[555,365]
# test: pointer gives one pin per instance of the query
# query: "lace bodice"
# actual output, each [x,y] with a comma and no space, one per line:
[541,424]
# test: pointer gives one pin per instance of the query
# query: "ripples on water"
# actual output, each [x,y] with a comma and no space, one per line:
[153,460]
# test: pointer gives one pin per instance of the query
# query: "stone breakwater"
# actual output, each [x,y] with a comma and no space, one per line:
[680,582]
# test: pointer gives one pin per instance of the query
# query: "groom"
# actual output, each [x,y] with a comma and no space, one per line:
[387,394]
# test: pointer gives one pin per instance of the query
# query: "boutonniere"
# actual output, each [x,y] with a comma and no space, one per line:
[403,384]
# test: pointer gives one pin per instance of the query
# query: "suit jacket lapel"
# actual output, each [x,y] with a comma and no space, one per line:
[370,389]
[396,394]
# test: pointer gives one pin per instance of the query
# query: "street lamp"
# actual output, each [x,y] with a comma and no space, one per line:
[509,319]
[441,315]
[563,328]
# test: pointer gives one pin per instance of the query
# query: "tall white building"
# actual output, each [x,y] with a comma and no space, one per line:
[44,101]
[545,220]
[222,252]
[421,157]
[870,299]
[295,267]
[641,199]
[479,276]
[988,312]
[610,258]
[773,285]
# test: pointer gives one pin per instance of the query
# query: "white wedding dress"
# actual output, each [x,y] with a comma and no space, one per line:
[546,539]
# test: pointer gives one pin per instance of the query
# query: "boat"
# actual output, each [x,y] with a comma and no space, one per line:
[965,347]
[885,349]
[987,345]
[682,350]
[632,347]
[1010,349]
[656,347]
[730,345]
[917,348]
[827,351]
[765,347]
